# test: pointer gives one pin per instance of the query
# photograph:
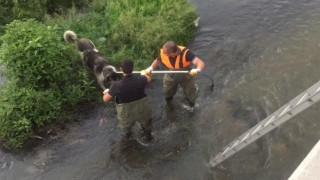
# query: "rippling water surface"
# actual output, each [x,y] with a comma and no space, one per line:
[261,54]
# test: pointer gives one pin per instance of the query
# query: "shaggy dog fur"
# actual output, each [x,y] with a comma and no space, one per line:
[92,58]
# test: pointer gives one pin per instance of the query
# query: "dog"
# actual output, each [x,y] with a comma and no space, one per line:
[92,58]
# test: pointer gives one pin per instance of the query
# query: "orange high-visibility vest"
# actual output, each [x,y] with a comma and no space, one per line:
[180,62]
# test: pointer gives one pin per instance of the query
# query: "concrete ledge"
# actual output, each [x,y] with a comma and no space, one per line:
[309,168]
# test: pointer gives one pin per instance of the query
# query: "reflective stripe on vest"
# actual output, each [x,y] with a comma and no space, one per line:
[180,62]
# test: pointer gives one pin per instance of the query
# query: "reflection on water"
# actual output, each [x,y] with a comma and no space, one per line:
[261,54]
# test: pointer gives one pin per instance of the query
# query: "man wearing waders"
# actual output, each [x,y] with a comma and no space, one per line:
[174,57]
[131,101]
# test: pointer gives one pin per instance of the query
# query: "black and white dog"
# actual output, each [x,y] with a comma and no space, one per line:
[92,58]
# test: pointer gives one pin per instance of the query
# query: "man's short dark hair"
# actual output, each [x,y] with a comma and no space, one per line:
[127,66]
[171,46]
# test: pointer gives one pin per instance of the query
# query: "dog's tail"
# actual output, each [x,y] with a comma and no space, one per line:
[70,36]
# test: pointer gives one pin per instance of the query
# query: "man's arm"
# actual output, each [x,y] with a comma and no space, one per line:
[149,70]
[154,64]
[199,63]
[199,66]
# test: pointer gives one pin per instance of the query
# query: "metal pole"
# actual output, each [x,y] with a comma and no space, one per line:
[160,72]
[175,72]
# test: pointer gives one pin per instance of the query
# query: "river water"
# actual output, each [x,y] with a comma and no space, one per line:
[261,54]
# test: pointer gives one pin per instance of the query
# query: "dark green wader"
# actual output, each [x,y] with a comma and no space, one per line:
[129,113]
[171,82]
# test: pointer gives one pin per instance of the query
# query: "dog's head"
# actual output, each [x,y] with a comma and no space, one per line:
[110,74]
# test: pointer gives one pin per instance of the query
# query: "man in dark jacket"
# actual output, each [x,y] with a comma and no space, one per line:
[131,101]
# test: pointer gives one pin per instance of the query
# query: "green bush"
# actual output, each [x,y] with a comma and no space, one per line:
[21,109]
[46,79]
[14,127]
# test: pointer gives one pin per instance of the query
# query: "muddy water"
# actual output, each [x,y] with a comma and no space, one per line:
[261,54]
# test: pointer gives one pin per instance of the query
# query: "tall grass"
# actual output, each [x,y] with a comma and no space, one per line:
[133,29]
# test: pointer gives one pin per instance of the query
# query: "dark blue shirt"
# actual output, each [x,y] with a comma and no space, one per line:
[130,88]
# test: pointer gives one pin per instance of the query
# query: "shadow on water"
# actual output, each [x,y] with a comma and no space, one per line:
[261,54]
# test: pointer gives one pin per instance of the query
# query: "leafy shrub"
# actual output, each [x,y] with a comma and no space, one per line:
[14,128]
[46,79]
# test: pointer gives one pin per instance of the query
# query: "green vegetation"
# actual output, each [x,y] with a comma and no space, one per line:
[45,77]
[37,9]
[133,29]
[46,80]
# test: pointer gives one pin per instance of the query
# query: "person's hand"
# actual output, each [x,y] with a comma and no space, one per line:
[194,72]
[105,91]
[147,71]
[143,72]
